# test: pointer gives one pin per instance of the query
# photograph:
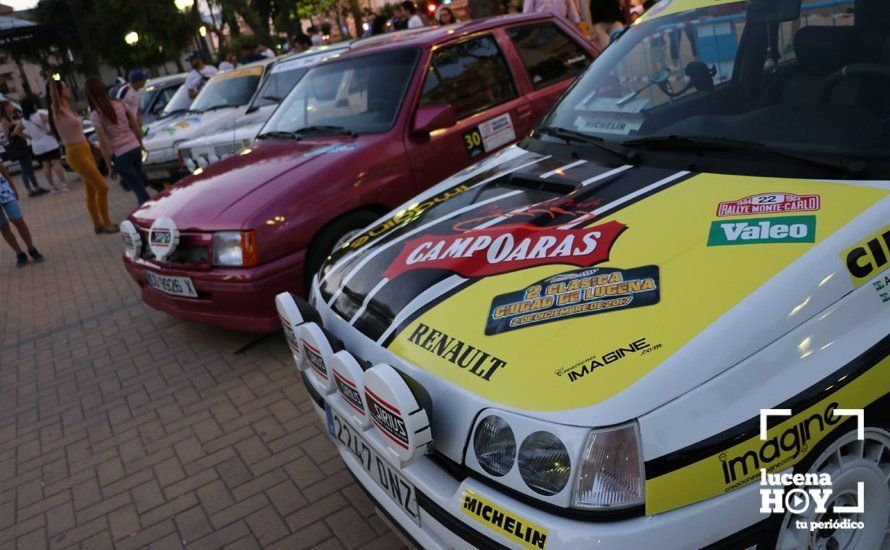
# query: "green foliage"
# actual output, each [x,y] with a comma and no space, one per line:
[163,31]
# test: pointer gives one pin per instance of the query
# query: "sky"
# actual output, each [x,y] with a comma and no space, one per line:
[20,4]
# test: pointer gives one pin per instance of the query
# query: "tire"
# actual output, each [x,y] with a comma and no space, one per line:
[848,460]
[330,237]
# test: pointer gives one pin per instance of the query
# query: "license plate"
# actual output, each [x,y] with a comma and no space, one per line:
[177,286]
[157,174]
[386,476]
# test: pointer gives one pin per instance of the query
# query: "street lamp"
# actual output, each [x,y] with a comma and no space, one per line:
[183,5]
[131,38]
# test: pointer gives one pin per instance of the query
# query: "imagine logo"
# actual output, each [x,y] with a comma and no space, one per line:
[786,492]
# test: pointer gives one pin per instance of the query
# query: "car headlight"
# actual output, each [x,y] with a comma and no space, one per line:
[495,445]
[544,463]
[611,471]
[234,248]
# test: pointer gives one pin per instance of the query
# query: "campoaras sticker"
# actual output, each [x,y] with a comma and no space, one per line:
[574,294]
[496,250]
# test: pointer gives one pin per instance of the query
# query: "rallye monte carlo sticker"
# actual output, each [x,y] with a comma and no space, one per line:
[769,203]
[574,294]
[664,213]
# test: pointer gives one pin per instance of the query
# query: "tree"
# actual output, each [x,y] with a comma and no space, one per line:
[98,31]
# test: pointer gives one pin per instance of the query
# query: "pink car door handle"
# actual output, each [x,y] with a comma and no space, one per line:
[524,111]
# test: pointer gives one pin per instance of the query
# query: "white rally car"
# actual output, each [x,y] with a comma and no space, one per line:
[223,98]
[661,321]
[237,133]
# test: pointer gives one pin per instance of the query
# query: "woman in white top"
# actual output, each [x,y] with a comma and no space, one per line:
[44,144]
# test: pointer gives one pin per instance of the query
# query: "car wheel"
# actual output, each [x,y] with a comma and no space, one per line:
[332,236]
[848,461]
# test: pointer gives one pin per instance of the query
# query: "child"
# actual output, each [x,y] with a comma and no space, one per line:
[11,213]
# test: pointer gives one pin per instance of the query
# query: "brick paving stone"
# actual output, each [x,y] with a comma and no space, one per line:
[116,430]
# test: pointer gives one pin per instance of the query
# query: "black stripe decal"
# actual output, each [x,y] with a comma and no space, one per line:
[751,428]
[374,325]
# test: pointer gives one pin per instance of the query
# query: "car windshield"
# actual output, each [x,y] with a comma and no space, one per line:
[179,102]
[359,94]
[764,73]
[282,78]
[147,96]
[229,89]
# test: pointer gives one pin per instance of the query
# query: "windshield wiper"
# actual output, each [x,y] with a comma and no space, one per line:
[326,129]
[693,143]
[218,107]
[279,134]
[571,135]
[272,97]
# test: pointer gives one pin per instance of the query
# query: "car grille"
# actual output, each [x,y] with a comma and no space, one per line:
[193,250]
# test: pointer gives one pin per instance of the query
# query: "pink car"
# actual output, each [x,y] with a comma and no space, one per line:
[360,134]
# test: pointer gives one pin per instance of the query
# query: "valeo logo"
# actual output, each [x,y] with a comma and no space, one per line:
[784,229]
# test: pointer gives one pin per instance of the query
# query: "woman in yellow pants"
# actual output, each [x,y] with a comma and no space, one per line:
[69,128]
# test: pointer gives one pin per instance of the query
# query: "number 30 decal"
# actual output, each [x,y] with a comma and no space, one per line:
[473,142]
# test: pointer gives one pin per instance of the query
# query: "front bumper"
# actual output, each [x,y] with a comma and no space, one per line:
[231,298]
[163,172]
[445,525]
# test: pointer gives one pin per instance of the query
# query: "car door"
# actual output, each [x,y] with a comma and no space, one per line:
[472,76]
[551,57]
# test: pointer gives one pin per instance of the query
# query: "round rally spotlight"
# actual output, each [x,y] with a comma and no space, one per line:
[291,318]
[318,353]
[544,463]
[495,445]
[349,378]
[132,239]
[402,423]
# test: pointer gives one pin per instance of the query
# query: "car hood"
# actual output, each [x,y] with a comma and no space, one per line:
[226,193]
[166,133]
[545,284]
[228,131]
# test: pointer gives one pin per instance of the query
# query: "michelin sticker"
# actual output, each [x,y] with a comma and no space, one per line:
[519,530]
[489,135]
[574,294]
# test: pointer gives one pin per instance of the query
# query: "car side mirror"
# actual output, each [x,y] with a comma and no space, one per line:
[429,118]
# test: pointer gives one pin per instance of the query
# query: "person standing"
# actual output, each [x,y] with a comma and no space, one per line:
[44,145]
[408,12]
[69,128]
[564,9]
[228,63]
[11,213]
[199,75]
[17,147]
[265,51]
[248,55]
[444,16]
[120,137]
[315,36]
[131,93]
[606,17]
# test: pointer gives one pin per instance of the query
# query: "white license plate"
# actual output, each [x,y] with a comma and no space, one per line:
[157,174]
[386,476]
[177,286]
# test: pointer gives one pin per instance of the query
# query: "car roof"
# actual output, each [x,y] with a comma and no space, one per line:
[430,36]
[167,79]
[222,75]
[314,50]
